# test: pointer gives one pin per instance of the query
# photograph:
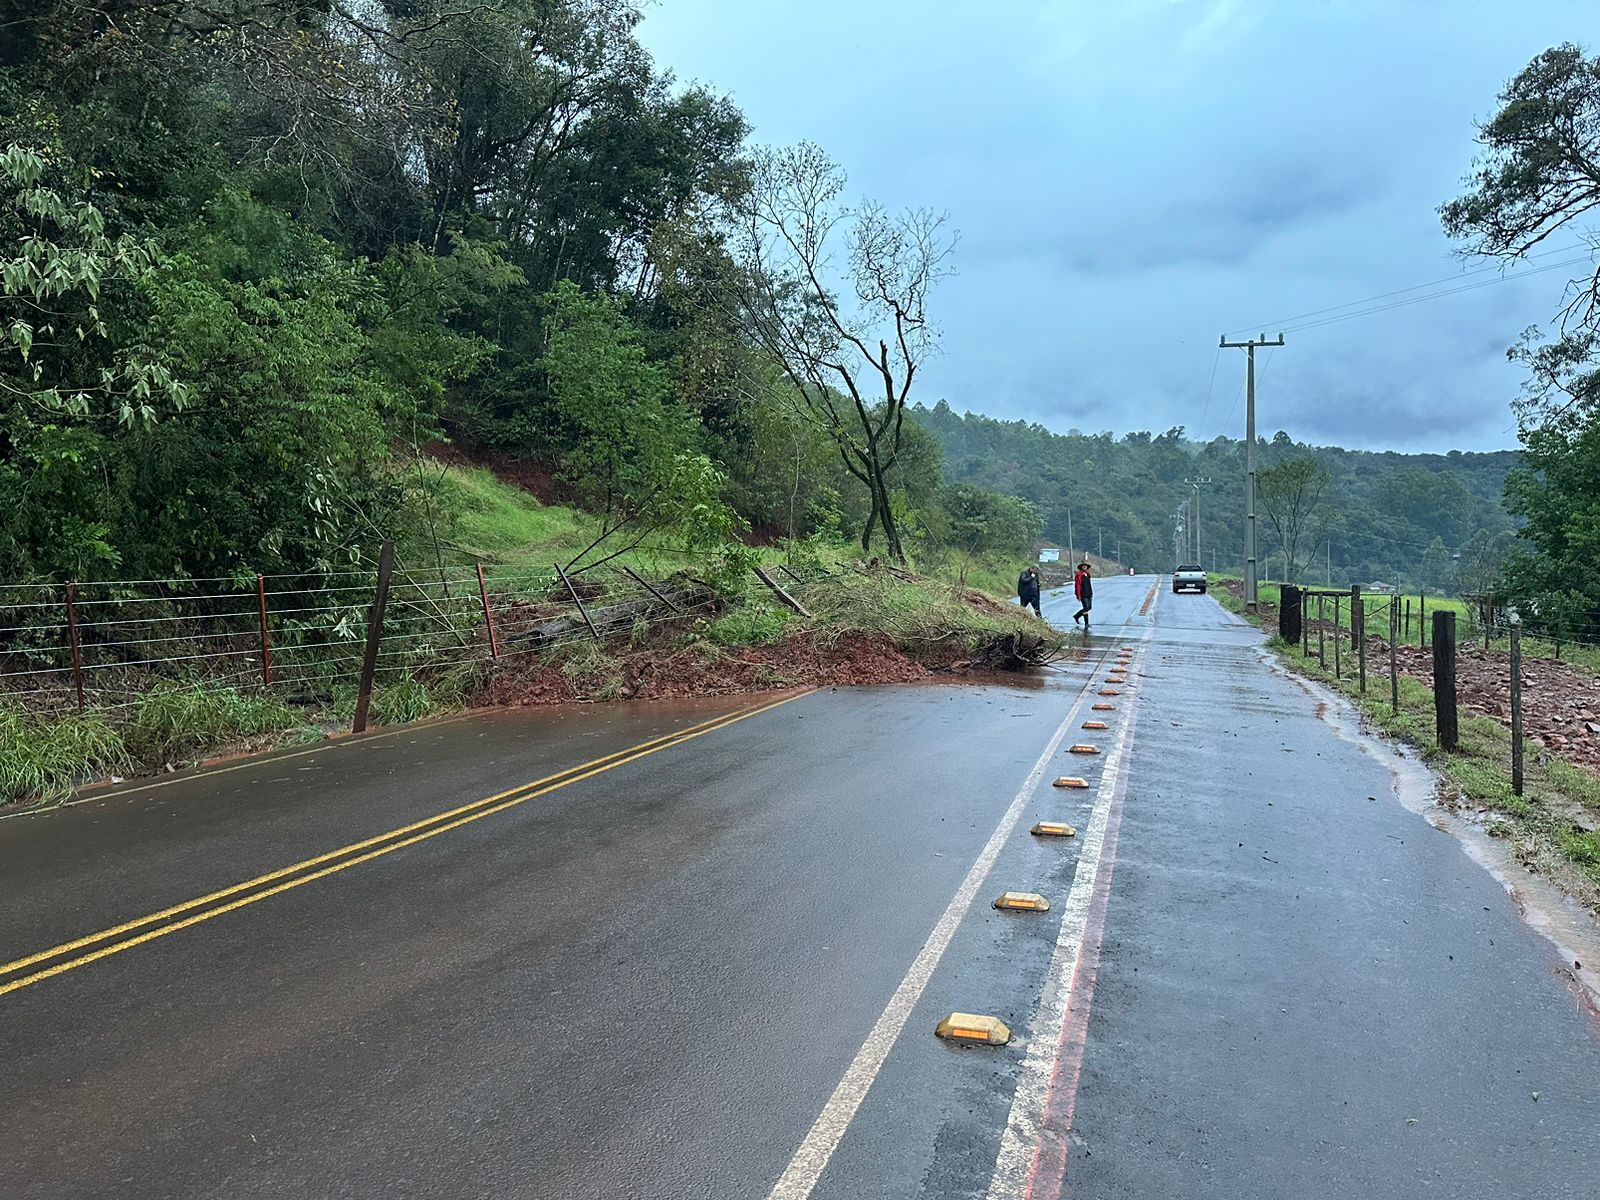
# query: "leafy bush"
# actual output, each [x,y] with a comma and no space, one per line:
[42,760]
[186,719]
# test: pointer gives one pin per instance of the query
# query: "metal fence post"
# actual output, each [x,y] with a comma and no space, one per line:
[1422,620]
[640,580]
[578,600]
[1322,631]
[369,662]
[488,616]
[1444,679]
[1516,704]
[72,637]
[266,646]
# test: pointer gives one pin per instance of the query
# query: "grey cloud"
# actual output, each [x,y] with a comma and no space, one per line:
[1131,179]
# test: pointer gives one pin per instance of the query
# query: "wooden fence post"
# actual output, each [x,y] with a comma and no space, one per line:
[1394,664]
[1422,620]
[1444,680]
[1358,631]
[1289,614]
[1516,705]
[369,662]
[1322,631]
[72,638]
[488,615]
[1338,633]
[780,593]
[266,645]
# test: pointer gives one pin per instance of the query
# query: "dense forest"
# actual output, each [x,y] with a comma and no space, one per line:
[259,256]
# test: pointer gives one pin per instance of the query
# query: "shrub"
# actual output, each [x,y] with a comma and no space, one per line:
[43,760]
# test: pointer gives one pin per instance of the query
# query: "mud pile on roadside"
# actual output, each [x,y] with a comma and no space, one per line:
[806,659]
[1560,702]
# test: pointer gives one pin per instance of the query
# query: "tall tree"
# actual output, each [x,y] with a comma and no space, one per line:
[852,337]
[1539,173]
[1539,177]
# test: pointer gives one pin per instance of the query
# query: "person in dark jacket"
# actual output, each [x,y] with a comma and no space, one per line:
[1083,589]
[1028,589]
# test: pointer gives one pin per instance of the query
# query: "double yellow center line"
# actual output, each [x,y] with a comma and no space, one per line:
[37,967]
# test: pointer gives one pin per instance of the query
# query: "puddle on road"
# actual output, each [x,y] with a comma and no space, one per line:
[1548,910]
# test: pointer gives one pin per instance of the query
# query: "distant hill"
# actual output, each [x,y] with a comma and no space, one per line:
[1388,507]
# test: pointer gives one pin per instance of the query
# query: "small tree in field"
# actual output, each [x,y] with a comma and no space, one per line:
[1291,495]
[849,336]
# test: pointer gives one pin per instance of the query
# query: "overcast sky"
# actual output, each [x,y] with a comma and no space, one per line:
[1133,177]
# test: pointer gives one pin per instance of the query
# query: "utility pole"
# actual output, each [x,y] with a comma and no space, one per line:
[1197,484]
[1102,543]
[1249,460]
[1071,552]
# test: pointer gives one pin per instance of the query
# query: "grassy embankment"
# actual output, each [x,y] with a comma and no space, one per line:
[506,527]
[517,538]
[1549,824]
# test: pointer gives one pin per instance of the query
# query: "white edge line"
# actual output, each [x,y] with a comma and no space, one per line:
[1015,1157]
[828,1130]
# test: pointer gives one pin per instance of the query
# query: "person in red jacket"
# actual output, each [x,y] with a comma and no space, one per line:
[1083,589]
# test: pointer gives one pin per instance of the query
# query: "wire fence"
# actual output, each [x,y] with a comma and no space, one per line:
[101,646]
[1489,647]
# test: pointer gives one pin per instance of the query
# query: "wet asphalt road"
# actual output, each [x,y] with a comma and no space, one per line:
[648,978]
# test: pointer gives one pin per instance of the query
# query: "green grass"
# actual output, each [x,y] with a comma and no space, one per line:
[754,623]
[493,519]
[185,720]
[44,760]
[400,703]
[915,614]
[518,539]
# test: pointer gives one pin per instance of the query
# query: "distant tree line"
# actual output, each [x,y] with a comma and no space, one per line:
[1377,517]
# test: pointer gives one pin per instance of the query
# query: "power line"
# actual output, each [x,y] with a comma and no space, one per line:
[1284,322]
[1238,399]
[1216,358]
[1466,287]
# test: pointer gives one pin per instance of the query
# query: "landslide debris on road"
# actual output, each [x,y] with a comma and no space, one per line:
[869,625]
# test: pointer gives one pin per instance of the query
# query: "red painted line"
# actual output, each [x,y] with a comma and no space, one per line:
[1048,1172]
